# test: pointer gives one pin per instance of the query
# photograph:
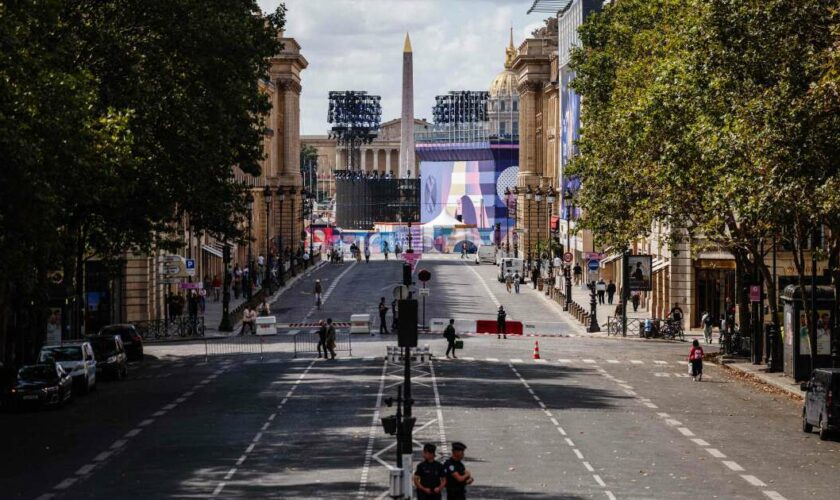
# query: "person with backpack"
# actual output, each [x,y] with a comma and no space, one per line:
[450,336]
[706,319]
[695,359]
[501,324]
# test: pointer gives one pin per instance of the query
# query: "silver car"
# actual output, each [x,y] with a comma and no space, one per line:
[77,360]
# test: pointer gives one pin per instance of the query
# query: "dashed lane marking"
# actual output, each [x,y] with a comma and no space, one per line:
[374,427]
[733,466]
[753,480]
[715,453]
[773,495]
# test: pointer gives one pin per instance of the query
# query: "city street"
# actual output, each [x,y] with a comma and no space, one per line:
[596,417]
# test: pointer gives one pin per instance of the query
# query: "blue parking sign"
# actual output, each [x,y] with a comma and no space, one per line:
[593,265]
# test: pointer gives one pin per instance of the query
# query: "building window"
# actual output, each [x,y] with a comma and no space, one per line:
[516,105]
[515,127]
[503,128]
[502,104]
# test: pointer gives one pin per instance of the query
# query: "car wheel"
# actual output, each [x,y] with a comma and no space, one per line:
[823,430]
[806,427]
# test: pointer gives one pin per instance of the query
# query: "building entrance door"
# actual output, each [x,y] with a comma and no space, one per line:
[713,287]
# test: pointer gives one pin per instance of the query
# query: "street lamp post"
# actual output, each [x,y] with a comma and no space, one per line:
[250,255]
[569,203]
[550,198]
[281,196]
[528,194]
[515,222]
[538,196]
[311,222]
[267,196]
[507,221]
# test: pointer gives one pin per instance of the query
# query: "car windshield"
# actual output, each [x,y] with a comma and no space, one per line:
[63,353]
[104,346]
[110,331]
[37,373]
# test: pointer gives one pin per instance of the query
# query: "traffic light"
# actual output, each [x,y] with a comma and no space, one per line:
[406,274]
[407,323]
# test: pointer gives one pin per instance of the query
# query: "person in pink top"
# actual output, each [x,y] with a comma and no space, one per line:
[695,358]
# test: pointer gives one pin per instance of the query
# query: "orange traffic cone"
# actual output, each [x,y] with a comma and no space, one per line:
[536,349]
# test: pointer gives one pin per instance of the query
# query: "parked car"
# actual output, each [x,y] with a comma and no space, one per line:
[110,356]
[486,253]
[822,402]
[132,341]
[43,384]
[77,360]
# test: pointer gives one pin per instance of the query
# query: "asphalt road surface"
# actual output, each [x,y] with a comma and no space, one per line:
[595,417]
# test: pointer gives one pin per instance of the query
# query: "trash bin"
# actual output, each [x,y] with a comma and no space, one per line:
[796,345]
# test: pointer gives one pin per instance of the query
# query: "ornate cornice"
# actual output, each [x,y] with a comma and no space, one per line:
[285,84]
[529,86]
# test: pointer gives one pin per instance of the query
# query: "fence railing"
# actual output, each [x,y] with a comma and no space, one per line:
[258,345]
[177,327]
[307,343]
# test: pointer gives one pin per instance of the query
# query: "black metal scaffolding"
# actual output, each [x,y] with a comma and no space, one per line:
[355,117]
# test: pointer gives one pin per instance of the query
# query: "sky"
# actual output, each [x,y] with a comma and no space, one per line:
[358,44]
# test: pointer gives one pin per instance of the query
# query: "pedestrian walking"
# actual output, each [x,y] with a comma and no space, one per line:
[610,292]
[457,476]
[385,249]
[635,299]
[383,312]
[535,276]
[217,288]
[695,360]
[249,317]
[516,280]
[501,324]
[463,251]
[508,281]
[322,338]
[367,255]
[706,319]
[578,272]
[202,300]
[237,281]
[330,338]
[601,288]
[317,292]
[429,477]
[394,313]
[450,336]
[264,309]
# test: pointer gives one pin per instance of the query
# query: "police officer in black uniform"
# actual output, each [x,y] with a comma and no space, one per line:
[429,478]
[457,476]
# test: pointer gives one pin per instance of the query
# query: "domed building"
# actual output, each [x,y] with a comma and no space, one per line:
[503,105]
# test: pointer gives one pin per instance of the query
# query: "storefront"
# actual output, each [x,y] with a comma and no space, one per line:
[715,282]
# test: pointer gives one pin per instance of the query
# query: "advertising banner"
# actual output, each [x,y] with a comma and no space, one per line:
[639,272]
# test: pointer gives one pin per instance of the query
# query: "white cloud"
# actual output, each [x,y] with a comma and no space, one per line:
[357,45]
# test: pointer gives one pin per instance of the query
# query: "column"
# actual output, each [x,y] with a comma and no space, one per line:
[388,160]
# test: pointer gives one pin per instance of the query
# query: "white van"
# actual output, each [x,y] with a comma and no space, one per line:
[486,253]
[512,266]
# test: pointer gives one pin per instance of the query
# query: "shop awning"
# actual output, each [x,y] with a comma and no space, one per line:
[212,250]
[611,258]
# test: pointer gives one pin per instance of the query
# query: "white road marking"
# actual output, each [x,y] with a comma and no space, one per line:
[773,495]
[578,454]
[102,456]
[590,361]
[540,361]
[685,432]
[65,484]
[637,362]
[561,431]
[600,481]
[85,469]
[241,459]
[230,474]
[493,359]
[588,466]
[372,433]
[610,495]
[661,374]
[218,489]
[673,422]
[733,466]
[570,442]
[564,360]
[664,415]
[468,359]
[146,422]
[554,421]
[515,360]
[612,361]
[629,393]
[170,406]
[700,442]
[485,286]
[133,432]
[651,405]
[159,413]
[45,496]
[118,444]
[661,362]
[753,480]
[250,448]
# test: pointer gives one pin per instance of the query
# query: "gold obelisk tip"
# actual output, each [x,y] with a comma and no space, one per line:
[510,44]
[407,46]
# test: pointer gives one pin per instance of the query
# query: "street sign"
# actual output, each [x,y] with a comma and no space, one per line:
[400,292]
[189,264]
[594,256]
[192,286]
[592,265]
[424,292]
[568,257]
[424,275]
[174,266]
[755,293]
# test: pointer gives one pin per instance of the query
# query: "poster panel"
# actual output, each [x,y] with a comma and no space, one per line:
[639,270]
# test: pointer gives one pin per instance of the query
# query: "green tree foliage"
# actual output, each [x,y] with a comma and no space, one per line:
[716,118]
[117,117]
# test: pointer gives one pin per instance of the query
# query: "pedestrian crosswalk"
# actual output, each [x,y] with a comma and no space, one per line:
[581,361]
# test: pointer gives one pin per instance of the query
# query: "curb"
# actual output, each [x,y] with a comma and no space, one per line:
[734,368]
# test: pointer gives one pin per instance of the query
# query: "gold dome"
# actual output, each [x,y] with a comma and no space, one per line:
[505,82]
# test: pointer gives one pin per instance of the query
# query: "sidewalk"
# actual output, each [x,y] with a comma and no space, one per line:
[760,374]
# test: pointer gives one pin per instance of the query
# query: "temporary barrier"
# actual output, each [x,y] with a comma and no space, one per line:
[360,323]
[394,354]
[266,325]
[438,325]
[489,326]
[307,343]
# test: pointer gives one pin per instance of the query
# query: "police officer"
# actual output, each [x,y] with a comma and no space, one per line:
[429,478]
[457,476]
[501,325]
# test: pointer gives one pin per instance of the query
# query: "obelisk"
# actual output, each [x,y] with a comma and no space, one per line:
[407,168]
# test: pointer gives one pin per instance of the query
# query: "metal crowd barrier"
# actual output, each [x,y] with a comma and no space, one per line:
[179,326]
[252,345]
[307,342]
[418,354]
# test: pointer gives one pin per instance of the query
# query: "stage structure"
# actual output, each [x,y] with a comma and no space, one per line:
[355,117]
[363,201]
[465,169]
